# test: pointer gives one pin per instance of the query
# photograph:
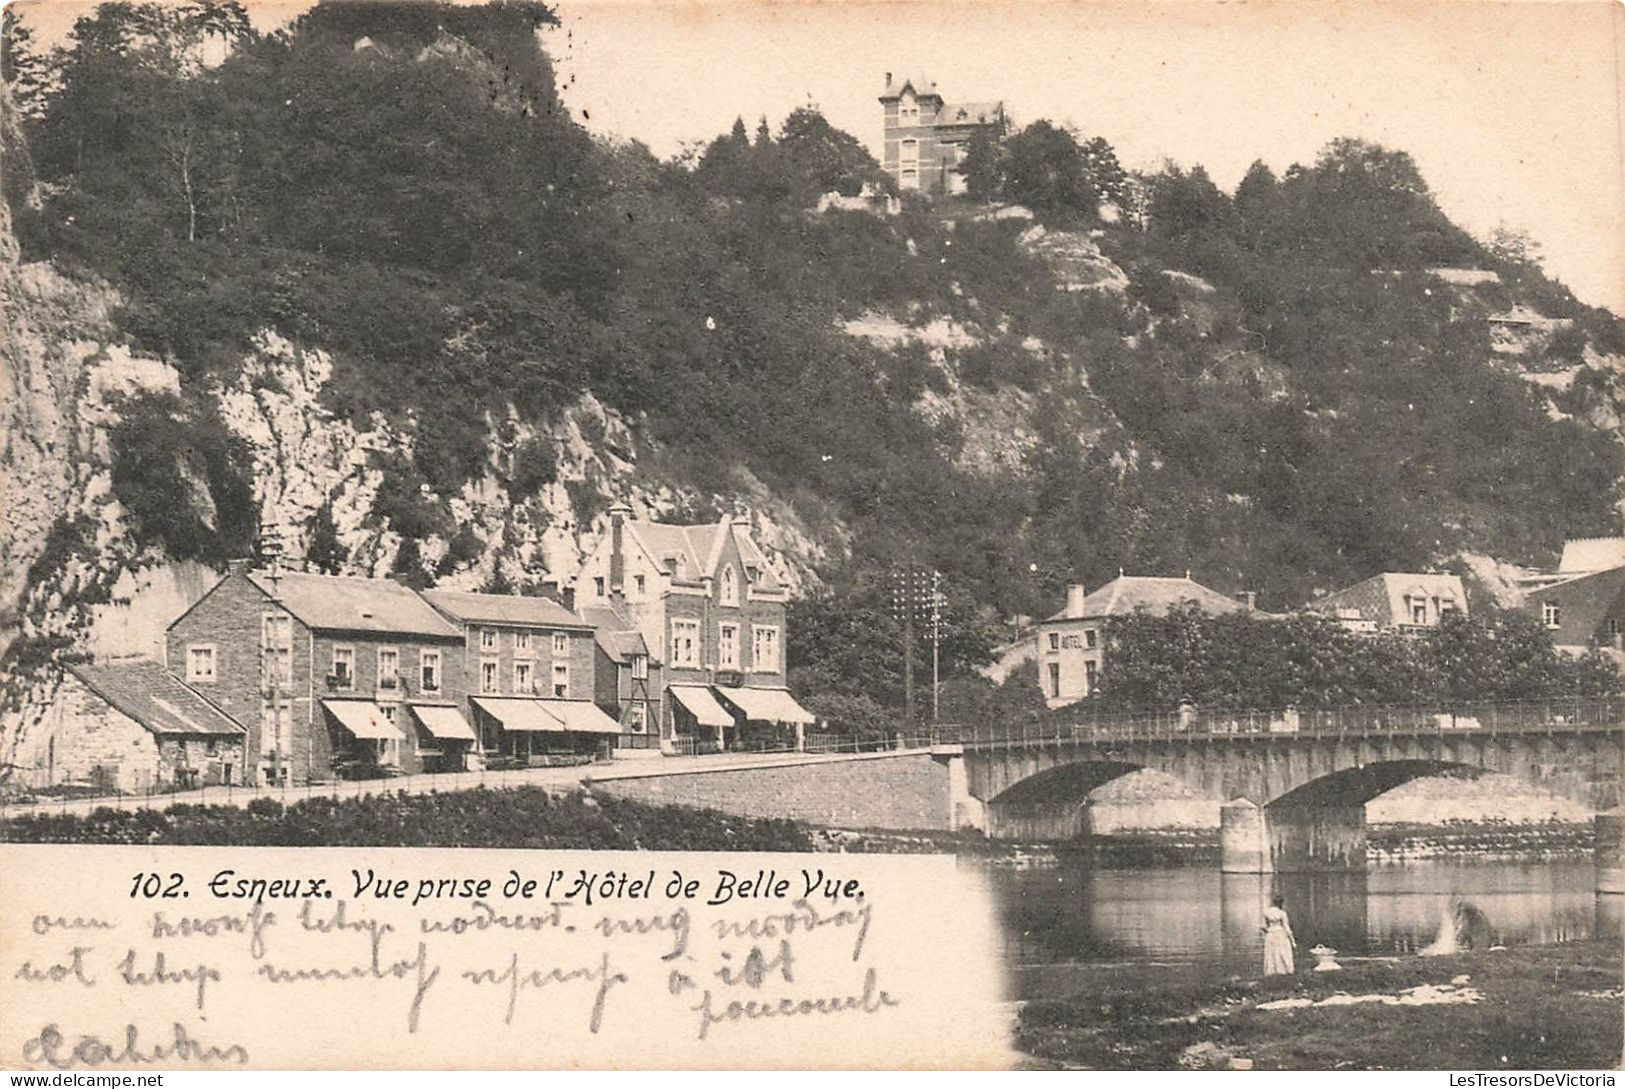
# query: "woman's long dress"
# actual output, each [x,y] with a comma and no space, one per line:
[1277,943]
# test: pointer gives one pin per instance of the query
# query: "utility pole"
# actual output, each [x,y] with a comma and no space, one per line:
[936,642]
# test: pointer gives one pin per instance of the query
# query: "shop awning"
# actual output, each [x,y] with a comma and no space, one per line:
[582,716]
[446,723]
[519,714]
[767,705]
[700,703]
[364,719]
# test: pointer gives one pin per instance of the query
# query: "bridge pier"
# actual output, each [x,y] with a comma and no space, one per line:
[1291,839]
[1608,844]
[965,810]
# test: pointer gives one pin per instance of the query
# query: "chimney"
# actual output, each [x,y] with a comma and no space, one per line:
[239,566]
[1074,599]
[618,515]
[888,81]
[1249,598]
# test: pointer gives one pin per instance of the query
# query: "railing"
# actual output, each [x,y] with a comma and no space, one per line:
[1573,715]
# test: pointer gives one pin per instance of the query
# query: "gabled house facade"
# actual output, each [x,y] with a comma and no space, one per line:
[711,612]
[1072,651]
[130,726]
[1583,610]
[530,664]
[330,675]
[925,138]
[1404,601]
[627,682]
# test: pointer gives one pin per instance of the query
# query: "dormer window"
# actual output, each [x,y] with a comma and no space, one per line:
[730,586]
[908,110]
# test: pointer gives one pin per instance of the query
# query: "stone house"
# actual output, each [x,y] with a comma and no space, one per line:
[1583,610]
[131,727]
[712,615]
[1072,650]
[331,675]
[1406,601]
[925,138]
[627,683]
[531,666]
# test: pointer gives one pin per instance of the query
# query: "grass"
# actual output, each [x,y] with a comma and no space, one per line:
[1543,1007]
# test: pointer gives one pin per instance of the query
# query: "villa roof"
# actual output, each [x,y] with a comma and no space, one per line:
[1127,593]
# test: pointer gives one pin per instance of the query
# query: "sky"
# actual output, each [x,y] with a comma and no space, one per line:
[1512,110]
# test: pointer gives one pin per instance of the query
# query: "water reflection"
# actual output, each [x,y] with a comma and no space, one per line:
[1060,920]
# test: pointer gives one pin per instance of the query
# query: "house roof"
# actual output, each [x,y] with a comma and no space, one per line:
[1592,554]
[970,113]
[157,699]
[347,603]
[515,609]
[615,633]
[700,548]
[1126,593]
[1593,585]
[1391,588]
[922,87]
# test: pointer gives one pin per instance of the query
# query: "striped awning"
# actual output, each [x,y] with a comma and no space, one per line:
[700,703]
[767,705]
[446,723]
[364,719]
[518,714]
[582,716]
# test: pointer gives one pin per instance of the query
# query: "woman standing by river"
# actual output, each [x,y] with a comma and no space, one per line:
[1278,940]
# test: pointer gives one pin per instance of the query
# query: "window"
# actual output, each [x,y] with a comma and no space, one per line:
[521,642]
[488,639]
[429,660]
[389,668]
[685,643]
[561,680]
[730,586]
[276,728]
[764,649]
[1088,677]
[637,584]
[911,179]
[598,585]
[637,717]
[521,677]
[1551,614]
[1613,625]
[1089,639]
[640,667]
[1419,611]
[561,644]
[343,667]
[728,646]
[488,676]
[277,641]
[200,662]
[1055,640]
[908,111]
[910,154]
[1055,678]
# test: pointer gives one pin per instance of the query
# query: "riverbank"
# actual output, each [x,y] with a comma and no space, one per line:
[1184,846]
[1556,1007]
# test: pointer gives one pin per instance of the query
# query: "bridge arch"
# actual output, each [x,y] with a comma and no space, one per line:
[1308,793]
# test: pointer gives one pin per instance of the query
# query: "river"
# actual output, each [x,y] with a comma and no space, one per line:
[1064,923]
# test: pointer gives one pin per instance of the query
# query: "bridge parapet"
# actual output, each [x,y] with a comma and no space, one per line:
[1560,716]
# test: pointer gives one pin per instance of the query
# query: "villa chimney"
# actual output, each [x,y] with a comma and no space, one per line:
[617,554]
[1074,599]
[888,81]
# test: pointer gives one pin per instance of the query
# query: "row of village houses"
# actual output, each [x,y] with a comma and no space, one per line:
[670,638]
[1581,604]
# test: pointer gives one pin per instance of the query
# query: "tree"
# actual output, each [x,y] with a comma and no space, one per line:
[823,159]
[1044,169]
[24,68]
[325,553]
[1257,202]
[983,165]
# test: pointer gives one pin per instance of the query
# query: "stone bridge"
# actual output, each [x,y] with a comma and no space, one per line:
[1297,783]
